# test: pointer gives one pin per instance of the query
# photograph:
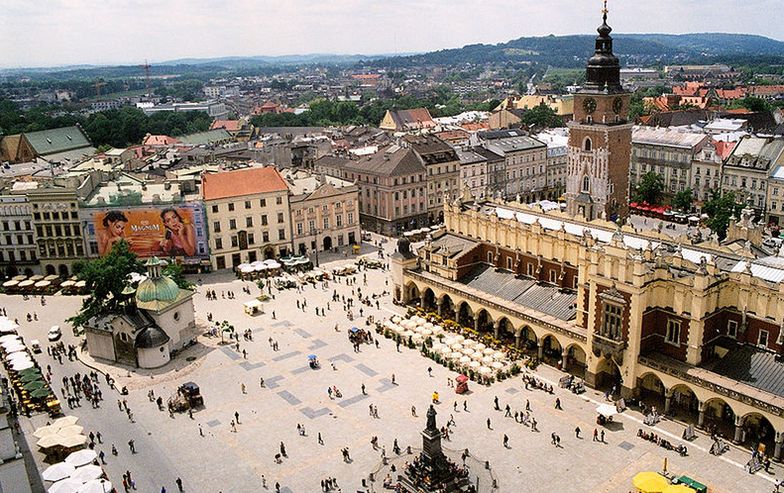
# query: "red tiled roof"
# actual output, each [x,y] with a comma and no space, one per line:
[242,182]
[159,140]
[228,125]
[475,126]
[269,104]
[767,90]
[724,149]
[366,76]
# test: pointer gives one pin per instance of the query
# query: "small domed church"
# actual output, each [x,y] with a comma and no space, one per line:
[157,321]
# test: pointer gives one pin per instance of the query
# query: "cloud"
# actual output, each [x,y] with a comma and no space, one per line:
[57,32]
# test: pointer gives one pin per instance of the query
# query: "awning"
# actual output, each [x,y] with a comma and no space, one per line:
[606,410]
[253,304]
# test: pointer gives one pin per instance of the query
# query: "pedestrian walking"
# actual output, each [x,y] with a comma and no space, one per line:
[320,440]
[495,402]
[132,446]
[602,435]
[577,432]
[237,416]
[558,403]
[506,441]
[178,481]
[413,411]
[363,389]
[595,435]
[488,424]
[201,432]
[283,450]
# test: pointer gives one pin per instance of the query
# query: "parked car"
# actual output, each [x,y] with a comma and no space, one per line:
[55,333]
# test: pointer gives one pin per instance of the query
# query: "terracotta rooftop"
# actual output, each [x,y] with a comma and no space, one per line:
[242,182]
[228,125]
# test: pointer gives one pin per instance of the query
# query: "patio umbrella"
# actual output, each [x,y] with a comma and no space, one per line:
[49,441]
[34,385]
[18,355]
[81,457]
[9,338]
[477,356]
[41,393]
[36,277]
[30,371]
[42,284]
[20,365]
[65,421]
[488,351]
[480,347]
[650,482]
[70,430]
[10,283]
[474,364]
[28,376]
[678,488]
[465,360]
[67,284]
[396,319]
[65,486]
[58,471]
[51,277]
[485,370]
[87,473]
[455,355]
[20,277]
[96,486]
[44,431]
[497,365]
[72,441]
[80,284]
[26,283]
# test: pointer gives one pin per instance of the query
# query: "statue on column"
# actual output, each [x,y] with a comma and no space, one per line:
[431,419]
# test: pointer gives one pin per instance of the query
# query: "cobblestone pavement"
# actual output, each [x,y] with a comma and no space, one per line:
[224,460]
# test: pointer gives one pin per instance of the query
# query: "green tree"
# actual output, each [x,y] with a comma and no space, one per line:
[683,199]
[542,116]
[719,208]
[175,272]
[752,103]
[650,188]
[106,278]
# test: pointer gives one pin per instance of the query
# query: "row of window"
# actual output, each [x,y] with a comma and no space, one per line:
[18,226]
[23,257]
[58,230]
[55,216]
[216,225]
[248,204]
[324,209]
[20,240]
[325,223]
[60,249]
[236,241]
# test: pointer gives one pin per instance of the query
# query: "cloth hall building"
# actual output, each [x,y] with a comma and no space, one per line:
[692,326]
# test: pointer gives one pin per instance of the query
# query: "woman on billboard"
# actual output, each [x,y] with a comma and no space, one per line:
[180,238]
[113,231]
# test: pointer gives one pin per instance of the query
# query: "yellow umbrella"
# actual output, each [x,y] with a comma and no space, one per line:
[678,488]
[650,482]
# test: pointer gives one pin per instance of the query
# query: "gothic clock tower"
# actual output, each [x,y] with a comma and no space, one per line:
[600,136]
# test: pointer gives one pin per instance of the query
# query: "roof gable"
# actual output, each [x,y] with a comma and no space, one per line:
[57,140]
[242,182]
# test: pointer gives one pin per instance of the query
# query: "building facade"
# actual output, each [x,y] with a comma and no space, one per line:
[248,216]
[597,180]
[18,246]
[666,152]
[745,172]
[674,326]
[443,171]
[58,231]
[392,188]
[324,212]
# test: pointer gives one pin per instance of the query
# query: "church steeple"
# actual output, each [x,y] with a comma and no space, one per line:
[603,72]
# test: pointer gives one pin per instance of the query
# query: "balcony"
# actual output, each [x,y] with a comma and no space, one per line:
[602,346]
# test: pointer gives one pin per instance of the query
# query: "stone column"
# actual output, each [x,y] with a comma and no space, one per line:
[476,324]
[540,348]
[564,355]
[738,430]
[440,307]
[701,417]
[517,340]
[667,401]
[496,329]
[422,300]
[777,451]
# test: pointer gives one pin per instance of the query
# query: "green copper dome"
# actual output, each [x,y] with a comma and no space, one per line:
[156,287]
[159,289]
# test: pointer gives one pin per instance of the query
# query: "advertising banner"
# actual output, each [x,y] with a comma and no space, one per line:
[164,231]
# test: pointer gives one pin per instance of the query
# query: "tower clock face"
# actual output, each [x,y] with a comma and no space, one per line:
[589,105]
[617,105]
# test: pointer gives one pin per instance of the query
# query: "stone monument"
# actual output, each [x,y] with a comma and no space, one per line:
[432,471]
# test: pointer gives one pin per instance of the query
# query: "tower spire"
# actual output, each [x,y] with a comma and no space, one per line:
[604,11]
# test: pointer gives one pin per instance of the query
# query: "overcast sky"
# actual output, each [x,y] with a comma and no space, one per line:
[61,32]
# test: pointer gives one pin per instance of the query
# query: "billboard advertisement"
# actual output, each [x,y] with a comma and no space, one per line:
[163,231]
